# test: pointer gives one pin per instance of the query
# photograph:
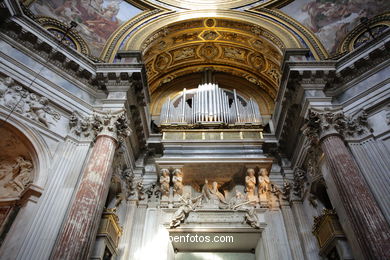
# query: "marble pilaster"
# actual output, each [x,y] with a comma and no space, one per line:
[292,232]
[125,239]
[309,242]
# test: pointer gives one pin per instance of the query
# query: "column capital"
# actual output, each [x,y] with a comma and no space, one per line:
[113,124]
[324,122]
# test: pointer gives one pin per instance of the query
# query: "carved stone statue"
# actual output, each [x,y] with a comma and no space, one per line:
[189,204]
[264,182]
[212,196]
[177,182]
[251,218]
[164,182]
[250,184]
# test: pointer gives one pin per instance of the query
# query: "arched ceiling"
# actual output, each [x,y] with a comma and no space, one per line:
[230,46]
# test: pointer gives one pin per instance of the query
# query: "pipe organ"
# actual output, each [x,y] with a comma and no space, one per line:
[209,104]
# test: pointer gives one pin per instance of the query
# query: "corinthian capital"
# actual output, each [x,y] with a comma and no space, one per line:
[321,123]
[114,124]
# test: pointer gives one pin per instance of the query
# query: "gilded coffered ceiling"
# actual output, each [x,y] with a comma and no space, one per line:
[226,46]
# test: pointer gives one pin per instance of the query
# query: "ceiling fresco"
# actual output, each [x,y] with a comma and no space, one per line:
[97,19]
[331,20]
[215,4]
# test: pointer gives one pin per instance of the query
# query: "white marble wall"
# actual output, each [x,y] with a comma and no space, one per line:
[274,237]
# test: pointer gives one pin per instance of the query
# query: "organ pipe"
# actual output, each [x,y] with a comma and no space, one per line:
[210,104]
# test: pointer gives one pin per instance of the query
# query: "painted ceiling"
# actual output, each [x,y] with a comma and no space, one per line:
[100,20]
[97,19]
[238,39]
[332,20]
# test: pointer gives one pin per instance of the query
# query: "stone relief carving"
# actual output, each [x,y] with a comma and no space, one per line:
[299,182]
[27,103]
[80,125]
[154,192]
[177,182]
[184,54]
[237,203]
[164,182]
[212,197]
[286,191]
[234,53]
[209,51]
[209,35]
[134,187]
[15,176]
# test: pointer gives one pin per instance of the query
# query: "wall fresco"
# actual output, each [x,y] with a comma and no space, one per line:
[97,19]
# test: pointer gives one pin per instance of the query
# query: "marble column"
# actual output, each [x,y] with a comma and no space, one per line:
[369,224]
[78,233]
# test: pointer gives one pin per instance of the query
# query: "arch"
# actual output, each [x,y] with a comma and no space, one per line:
[131,39]
[37,147]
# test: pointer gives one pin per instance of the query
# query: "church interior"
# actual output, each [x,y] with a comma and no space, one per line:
[195,129]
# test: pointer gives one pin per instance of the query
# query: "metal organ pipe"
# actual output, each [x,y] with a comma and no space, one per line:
[183,105]
[209,103]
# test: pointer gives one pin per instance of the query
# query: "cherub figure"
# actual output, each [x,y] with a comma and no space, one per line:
[250,183]
[164,182]
[264,182]
[178,182]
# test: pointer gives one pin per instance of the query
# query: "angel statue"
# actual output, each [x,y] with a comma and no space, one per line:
[189,204]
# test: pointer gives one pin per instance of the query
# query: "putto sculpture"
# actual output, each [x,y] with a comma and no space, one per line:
[177,182]
[250,184]
[164,182]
